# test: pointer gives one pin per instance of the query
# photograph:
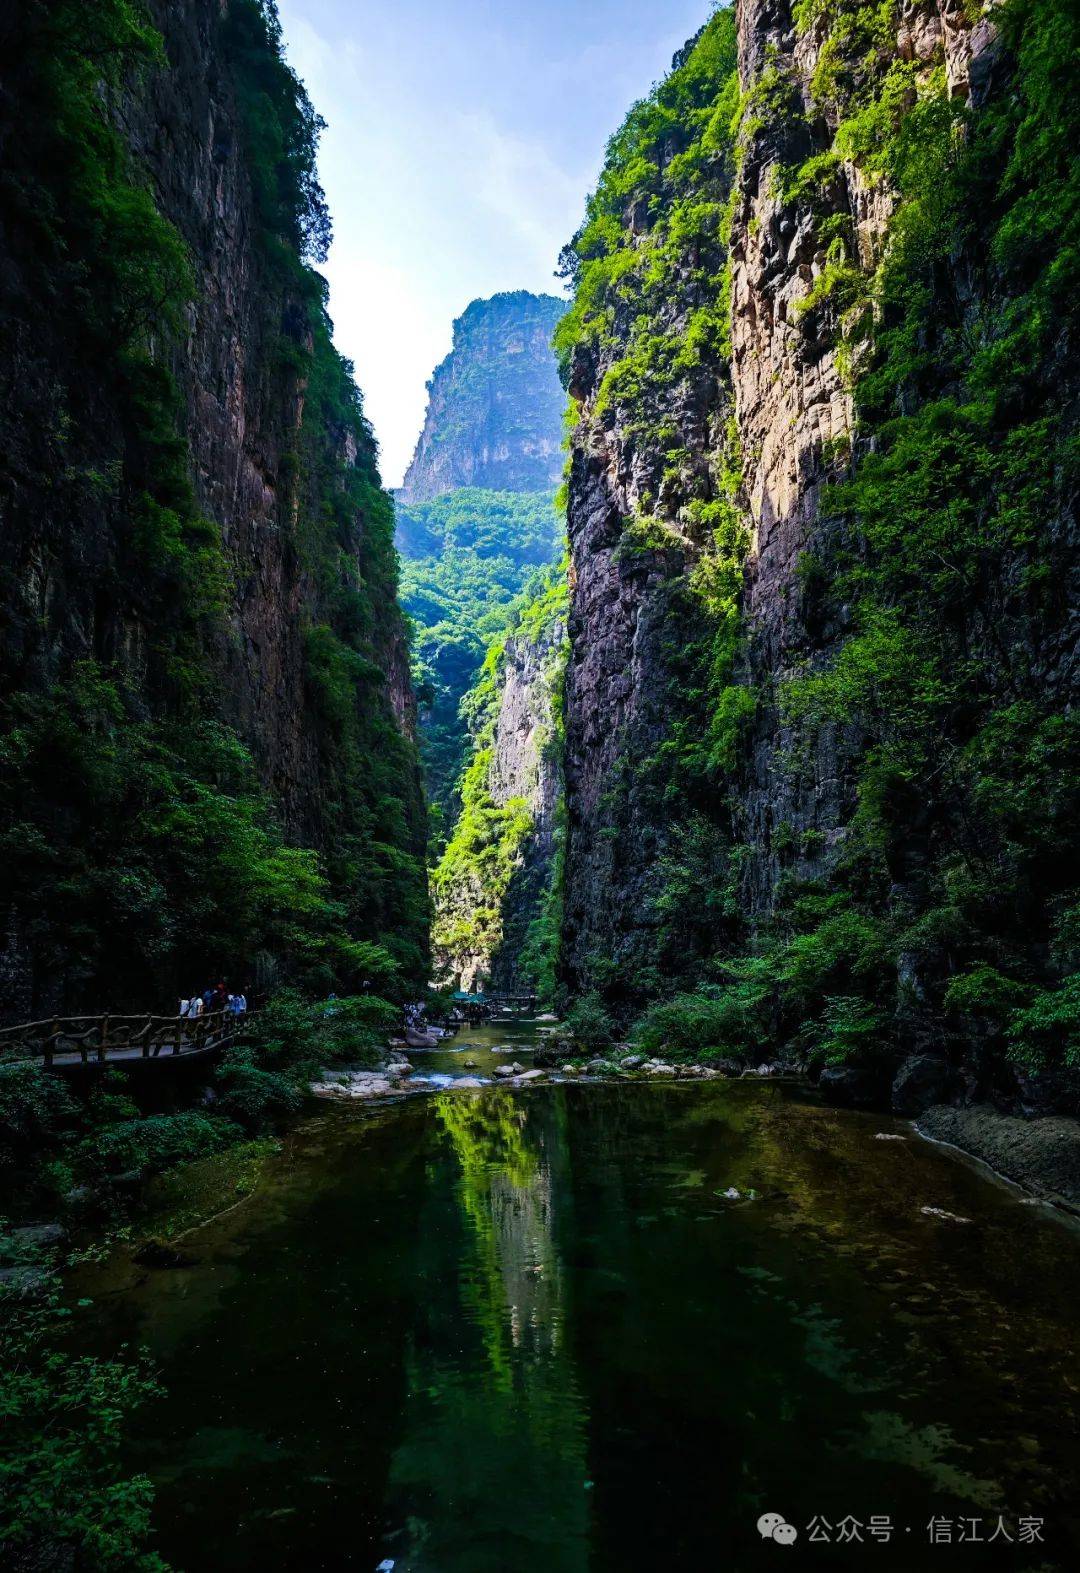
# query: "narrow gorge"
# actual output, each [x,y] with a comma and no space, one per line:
[540,1005]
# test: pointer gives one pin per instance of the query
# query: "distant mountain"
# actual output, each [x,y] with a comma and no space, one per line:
[494,417]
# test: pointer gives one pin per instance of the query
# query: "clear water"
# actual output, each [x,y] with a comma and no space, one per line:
[525,1331]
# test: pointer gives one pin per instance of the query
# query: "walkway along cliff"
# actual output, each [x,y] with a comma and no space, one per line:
[206,715]
[821,726]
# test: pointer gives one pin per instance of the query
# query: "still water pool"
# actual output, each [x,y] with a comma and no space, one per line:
[526,1331]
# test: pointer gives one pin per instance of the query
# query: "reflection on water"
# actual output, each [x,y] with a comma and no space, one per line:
[528,1331]
[497,1430]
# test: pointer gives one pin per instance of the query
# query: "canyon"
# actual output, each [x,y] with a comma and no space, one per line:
[727,721]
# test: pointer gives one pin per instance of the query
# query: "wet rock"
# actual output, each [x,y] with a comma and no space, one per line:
[889,1136]
[940,1212]
[922,1081]
[850,1087]
[658,1068]
[467,1081]
[504,1071]
[353,1084]
[470,1065]
[632,1062]
[400,1071]
[36,1236]
[599,1068]
[1041,1154]
[531,1076]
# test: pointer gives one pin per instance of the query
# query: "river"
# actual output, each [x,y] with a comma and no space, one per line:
[526,1330]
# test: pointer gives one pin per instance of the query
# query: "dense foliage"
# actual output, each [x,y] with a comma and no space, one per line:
[955,540]
[945,554]
[644,351]
[140,846]
[466,556]
[490,842]
[64,1489]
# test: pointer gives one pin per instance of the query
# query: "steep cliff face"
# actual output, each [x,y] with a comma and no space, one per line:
[198,555]
[643,356]
[496,887]
[822,687]
[495,404]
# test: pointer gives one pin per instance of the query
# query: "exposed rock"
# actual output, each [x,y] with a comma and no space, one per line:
[77,588]
[36,1236]
[495,404]
[523,770]
[1042,1154]
[921,1081]
[940,1212]
[353,1084]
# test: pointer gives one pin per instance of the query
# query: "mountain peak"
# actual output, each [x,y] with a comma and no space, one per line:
[494,416]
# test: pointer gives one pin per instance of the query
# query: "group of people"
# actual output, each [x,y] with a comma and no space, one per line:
[216,999]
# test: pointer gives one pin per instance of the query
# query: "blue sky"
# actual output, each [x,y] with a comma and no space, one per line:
[463,138]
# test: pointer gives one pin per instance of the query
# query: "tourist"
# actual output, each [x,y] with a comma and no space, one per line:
[184,1003]
[238,1003]
[195,1006]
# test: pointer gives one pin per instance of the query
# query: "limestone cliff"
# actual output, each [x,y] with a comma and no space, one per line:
[495,404]
[496,885]
[822,524]
[192,517]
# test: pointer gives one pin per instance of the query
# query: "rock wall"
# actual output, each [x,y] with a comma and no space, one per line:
[782,703]
[494,881]
[494,403]
[526,766]
[265,423]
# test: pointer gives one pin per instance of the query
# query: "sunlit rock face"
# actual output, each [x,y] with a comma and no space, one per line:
[757,407]
[495,403]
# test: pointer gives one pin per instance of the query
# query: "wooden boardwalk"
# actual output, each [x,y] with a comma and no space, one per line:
[71,1042]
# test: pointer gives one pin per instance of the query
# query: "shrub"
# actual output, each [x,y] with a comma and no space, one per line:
[35,1109]
[588,1022]
[66,1497]
[154,1143]
[710,1022]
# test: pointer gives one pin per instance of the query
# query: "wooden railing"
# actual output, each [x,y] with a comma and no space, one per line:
[68,1040]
